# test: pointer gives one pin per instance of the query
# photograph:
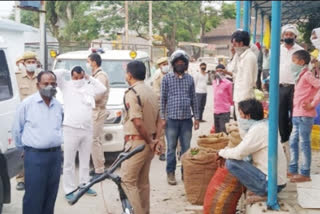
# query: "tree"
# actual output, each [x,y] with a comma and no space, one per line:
[27,17]
[70,21]
[228,10]
[307,27]
[174,21]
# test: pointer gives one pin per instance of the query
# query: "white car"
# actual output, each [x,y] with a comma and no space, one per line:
[114,63]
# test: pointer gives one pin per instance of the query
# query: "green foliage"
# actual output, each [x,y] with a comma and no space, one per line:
[228,10]
[307,27]
[70,21]
[27,17]
[173,20]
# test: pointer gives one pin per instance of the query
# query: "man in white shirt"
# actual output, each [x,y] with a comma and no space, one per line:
[200,81]
[79,100]
[254,176]
[287,81]
[246,71]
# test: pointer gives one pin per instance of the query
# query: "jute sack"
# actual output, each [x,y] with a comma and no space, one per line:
[214,141]
[199,165]
[233,134]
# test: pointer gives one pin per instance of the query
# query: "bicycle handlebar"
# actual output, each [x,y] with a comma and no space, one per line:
[107,173]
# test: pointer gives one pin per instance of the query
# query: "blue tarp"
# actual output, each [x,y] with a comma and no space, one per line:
[317,118]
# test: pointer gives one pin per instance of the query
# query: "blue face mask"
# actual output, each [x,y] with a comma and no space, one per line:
[245,124]
[296,69]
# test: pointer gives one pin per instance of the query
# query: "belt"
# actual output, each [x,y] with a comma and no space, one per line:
[286,85]
[53,149]
[135,137]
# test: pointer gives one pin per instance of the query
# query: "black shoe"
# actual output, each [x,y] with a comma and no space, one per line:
[95,175]
[20,186]
[162,157]
[91,172]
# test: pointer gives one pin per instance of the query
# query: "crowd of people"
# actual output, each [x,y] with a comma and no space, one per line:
[162,117]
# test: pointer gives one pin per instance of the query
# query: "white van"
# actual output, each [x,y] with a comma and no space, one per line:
[10,157]
[114,63]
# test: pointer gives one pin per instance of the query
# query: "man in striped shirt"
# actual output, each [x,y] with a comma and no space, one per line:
[178,99]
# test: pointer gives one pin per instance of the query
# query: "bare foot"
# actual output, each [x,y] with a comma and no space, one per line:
[290,175]
[300,178]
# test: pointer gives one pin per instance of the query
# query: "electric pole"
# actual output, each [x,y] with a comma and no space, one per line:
[43,49]
[150,28]
[126,24]
[17,11]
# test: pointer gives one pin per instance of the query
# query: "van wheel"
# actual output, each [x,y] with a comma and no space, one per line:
[1,194]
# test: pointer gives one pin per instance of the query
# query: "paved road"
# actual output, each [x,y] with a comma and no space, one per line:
[165,199]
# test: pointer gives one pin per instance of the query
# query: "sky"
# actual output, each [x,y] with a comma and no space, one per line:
[6,8]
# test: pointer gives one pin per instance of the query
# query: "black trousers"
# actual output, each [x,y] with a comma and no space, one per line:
[220,121]
[285,111]
[202,100]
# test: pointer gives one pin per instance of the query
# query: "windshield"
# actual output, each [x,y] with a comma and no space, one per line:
[116,69]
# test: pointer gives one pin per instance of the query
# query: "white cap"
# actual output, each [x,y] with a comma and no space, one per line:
[290,28]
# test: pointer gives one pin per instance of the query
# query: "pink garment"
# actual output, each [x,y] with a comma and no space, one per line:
[222,96]
[306,90]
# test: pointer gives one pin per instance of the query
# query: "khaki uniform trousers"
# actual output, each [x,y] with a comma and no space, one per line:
[135,177]
[99,116]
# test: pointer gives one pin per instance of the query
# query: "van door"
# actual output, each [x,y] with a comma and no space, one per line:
[9,99]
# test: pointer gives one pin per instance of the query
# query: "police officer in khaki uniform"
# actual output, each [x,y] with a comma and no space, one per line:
[99,113]
[141,126]
[27,83]
[156,86]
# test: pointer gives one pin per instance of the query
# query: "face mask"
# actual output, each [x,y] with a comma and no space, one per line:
[21,67]
[289,41]
[245,124]
[165,69]
[240,50]
[31,67]
[89,67]
[296,69]
[48,91]
[78,83]
[316,43]
[179,68]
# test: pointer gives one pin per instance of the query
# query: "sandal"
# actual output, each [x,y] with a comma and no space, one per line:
[300,178]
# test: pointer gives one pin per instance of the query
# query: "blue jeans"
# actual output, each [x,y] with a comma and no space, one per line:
[300,137]
[250,176]
[177,129]
[42,176]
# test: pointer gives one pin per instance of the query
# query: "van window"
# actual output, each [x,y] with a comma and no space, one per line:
[5,82]
[116,69]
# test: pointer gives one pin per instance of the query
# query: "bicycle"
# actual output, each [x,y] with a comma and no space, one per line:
[108,174]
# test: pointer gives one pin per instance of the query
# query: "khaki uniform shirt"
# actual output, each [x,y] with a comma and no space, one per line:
[26,85]
[101,100]
[156,86]
[148,110]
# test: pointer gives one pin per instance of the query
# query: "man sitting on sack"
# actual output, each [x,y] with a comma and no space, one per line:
[255,143]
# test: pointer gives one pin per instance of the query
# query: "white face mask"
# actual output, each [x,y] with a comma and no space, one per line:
[316,42]
[31,67]
[165,69]
[78,83]
[21,67]
[89,67]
